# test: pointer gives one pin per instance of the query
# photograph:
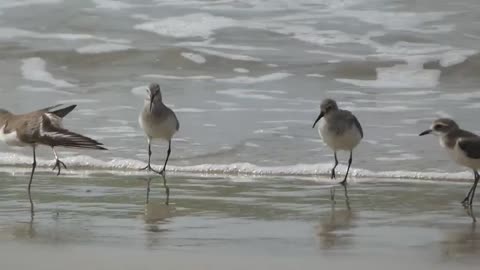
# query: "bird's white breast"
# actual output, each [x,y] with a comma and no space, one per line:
[460,157]
[345,141]
[164,129]
[10,138]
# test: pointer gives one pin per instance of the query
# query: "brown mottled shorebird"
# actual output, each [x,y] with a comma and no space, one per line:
[158,121]
[340,130]
[463,147]
[42,127]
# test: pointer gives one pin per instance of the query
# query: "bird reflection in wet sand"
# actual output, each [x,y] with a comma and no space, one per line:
[470,213]
[25,230]
[32,206]
[167,190]
[156,214]
[332,229]
[465,242]
[345,190]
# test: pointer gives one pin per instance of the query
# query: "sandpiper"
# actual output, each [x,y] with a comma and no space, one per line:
[42,127]
[463,147]
[158,121]
[340,130]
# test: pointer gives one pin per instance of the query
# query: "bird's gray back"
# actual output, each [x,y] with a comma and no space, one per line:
[342,120]
[450,139]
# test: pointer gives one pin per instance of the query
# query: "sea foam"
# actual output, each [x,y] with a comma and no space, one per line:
[102,48]
[118,166]
[191,25]
[34,69]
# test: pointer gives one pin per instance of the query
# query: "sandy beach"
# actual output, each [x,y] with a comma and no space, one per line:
[233,222]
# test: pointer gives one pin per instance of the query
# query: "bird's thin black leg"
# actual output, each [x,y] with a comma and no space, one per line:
[477,177]
[149,167]
[467,198]
[58,163]
[34,165]
[332,176]
[168,155]
[348,169]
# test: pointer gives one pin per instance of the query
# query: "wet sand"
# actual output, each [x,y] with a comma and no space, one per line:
[217,222]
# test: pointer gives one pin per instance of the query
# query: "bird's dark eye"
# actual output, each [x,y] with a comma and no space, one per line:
[437,127]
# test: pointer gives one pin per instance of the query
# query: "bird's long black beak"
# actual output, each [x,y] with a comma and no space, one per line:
[426,132]
[151,103]
[152,96]
[318,119]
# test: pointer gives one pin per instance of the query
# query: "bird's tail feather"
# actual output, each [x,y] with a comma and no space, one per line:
[64,111]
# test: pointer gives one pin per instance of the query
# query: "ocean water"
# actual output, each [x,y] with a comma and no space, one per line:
[245,79]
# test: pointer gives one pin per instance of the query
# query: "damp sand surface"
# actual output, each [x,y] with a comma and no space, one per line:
[234,222]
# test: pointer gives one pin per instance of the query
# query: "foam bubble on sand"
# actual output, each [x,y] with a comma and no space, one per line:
[231,56]
[196,58]
[102,48]
[400,76]
[259,79]
[111,4]
[191,25]
[34,69]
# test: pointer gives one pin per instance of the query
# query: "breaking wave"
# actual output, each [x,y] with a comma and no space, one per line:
[77,165]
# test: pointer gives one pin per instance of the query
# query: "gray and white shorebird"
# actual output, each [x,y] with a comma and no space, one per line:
[463,147]
[158,122]
[42,127]
[340,130]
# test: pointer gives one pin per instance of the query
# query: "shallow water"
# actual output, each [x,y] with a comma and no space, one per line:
[246,78]
[245,219]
